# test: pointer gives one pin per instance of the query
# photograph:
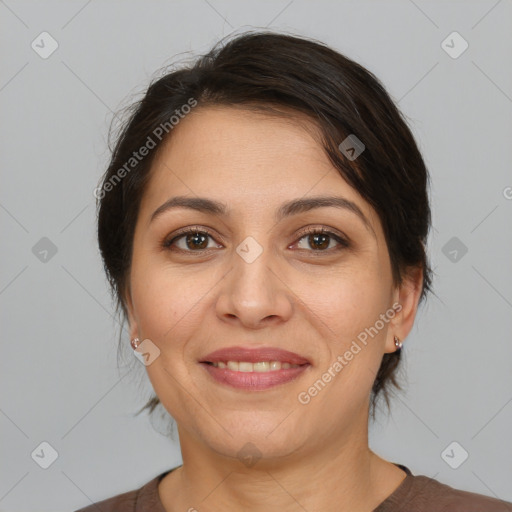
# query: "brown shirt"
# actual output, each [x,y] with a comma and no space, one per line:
[416,493]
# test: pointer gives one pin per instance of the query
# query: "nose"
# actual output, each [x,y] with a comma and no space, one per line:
[254,294]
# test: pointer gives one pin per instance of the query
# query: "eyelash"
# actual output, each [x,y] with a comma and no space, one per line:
[343,243]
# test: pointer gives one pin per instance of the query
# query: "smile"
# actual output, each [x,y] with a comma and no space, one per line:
[261,366]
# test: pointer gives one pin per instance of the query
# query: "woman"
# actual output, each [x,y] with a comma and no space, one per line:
[263,224]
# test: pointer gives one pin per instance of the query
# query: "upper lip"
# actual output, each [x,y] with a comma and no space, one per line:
[254,355]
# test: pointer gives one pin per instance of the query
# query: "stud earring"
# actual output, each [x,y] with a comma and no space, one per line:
[135,343]
[398,343]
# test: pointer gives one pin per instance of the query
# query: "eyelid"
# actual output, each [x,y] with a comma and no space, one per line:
[168,240]
[311,230]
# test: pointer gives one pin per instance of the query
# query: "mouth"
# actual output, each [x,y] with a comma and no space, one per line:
[247,366]
[254,369]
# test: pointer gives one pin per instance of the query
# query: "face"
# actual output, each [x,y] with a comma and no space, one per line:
[263,278]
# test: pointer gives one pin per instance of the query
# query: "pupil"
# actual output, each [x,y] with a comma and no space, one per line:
[315,239]
[194,237]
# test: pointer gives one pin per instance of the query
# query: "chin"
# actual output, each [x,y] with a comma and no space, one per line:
[257,438]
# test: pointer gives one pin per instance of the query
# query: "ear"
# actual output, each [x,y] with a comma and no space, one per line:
[133,325]
[406,297]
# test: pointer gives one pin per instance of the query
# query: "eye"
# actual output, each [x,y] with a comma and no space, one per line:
[190,240]
[322,240]
[195,239]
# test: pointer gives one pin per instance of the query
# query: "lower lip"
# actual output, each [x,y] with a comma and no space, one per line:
[253,381]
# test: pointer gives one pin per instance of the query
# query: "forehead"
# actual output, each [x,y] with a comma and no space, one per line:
[238,144]
[249,160]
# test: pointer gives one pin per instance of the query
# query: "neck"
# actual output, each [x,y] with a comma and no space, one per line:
[341,477]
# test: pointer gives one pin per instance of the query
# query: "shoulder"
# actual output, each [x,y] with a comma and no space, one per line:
[142,499]
[125,502]
[426,494]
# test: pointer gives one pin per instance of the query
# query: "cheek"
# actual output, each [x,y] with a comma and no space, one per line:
[347,301]
[346,315]
[165,302]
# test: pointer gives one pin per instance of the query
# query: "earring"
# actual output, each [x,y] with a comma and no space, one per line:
[398,343]
[135,343]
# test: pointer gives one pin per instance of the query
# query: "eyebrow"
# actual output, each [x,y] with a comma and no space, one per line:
[205,205]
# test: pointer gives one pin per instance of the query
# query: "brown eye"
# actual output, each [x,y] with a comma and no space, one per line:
[321,240]
[191,240]
[196,241]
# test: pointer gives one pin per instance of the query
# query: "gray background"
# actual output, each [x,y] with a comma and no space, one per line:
[59,377]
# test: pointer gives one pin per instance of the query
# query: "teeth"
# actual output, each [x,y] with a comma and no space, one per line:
[262,366]
[245,367]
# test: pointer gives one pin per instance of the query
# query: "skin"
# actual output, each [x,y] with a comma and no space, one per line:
[293,296]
